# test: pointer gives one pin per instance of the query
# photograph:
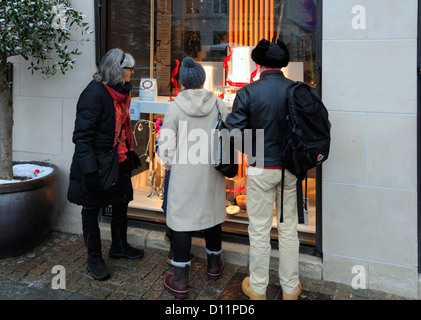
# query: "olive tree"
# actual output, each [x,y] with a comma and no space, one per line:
[38,31]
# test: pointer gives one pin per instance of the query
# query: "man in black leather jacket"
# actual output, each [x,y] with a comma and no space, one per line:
[260,107]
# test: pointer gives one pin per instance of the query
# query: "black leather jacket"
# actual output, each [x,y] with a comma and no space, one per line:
[262,105]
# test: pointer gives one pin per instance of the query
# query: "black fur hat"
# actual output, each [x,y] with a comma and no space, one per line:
[271,54]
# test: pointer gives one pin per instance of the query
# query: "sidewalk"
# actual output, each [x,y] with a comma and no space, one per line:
[29,277]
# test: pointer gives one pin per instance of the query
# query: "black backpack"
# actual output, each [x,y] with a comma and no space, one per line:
[308,136]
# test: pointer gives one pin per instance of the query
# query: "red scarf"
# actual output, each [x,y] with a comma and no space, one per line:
[122,122]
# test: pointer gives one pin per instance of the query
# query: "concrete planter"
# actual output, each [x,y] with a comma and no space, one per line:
[27,211]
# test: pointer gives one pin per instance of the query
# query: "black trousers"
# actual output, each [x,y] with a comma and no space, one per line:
[90,222]
[181,242]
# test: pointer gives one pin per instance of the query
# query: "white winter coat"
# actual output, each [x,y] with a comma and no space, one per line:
[196,191]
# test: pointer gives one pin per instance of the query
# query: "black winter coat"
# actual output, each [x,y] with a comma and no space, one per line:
[94,134]
[262,105]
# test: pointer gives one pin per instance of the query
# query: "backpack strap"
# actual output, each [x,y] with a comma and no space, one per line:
[281,218]
[300,208]
[299,188]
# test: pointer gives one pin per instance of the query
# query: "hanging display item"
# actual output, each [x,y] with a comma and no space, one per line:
[156,168]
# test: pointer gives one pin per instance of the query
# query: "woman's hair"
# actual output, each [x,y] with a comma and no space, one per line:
[111,66]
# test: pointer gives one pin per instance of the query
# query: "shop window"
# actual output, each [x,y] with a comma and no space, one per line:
[193,6]
[220,6]
[159,37]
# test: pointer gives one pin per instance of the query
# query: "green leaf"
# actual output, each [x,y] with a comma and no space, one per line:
[36,30]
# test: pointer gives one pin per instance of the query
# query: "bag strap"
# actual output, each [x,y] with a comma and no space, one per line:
[299,188]
[300,208]
[281,218]
[217,107]
[113,96]
[119,136]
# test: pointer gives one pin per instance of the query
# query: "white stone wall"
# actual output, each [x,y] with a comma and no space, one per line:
[370,180]
[44,114]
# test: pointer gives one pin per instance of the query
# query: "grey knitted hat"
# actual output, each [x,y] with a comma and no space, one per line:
[192,74]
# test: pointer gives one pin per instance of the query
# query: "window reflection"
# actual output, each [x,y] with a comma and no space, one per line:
[203,29]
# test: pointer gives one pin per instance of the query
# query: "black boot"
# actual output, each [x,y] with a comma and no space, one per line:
[215,266]
[91,234]
[119,246]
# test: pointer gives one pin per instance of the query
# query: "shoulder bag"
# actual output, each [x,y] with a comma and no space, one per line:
[224,156]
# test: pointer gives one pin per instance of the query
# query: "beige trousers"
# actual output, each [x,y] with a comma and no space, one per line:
[263,190]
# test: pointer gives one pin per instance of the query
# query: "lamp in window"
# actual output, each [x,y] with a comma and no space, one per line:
[214,72]
[241,66]
[208,85]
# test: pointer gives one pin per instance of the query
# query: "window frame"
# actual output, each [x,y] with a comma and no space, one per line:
[101,15]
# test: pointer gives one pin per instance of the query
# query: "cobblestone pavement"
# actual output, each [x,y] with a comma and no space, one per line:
[140,279]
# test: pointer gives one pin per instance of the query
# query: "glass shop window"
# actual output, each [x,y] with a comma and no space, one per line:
[220,34]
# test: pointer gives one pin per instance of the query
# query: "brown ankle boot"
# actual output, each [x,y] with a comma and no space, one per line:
[294,295]
[248,291]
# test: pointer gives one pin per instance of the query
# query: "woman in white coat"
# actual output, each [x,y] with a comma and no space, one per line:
[196,191]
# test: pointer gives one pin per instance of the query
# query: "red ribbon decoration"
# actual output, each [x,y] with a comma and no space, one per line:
[173,81]
[225,66]
[232,84]
[226,59]
[235,190]
[253,74]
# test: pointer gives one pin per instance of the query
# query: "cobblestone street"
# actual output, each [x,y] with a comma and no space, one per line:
[142,279]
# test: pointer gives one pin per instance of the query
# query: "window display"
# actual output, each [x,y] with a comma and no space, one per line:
[219,34]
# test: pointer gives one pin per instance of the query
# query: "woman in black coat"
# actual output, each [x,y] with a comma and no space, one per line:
[102,123]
